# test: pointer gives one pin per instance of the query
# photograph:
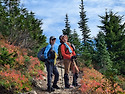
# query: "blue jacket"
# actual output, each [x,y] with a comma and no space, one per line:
[48,47]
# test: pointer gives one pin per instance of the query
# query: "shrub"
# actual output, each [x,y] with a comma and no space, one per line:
[13,80]
[35,68]
[19,68]
[6,57]
[94,82]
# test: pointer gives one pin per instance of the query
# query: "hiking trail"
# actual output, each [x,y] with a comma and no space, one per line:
[40,86]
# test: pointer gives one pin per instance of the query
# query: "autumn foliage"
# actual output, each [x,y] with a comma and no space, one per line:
[93,82]
[17,69]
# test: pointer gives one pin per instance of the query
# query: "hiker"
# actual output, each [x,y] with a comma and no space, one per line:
[50,60]
[68,55]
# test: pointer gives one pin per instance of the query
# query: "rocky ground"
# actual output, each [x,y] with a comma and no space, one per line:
[41,86]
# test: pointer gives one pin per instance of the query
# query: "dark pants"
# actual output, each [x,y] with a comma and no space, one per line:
[51,69]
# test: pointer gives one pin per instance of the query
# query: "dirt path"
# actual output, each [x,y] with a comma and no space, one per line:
[41,86]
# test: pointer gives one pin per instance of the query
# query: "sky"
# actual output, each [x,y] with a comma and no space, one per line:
[53,13]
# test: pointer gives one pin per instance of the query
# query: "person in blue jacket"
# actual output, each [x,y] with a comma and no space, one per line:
[50,56]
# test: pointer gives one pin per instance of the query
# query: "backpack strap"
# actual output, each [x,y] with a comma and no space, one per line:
[49,50]
[72,45]
[51,53]
[67,46]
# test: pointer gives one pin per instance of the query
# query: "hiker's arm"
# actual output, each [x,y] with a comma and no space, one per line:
[46,51]
[73,53]
[64,53]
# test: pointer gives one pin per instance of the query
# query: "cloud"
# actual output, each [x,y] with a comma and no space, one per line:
[53,13]
[98,7]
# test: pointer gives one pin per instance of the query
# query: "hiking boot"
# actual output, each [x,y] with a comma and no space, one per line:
[68,87]
[56,87]
[76,84]
[66,80]
[75,76]
[50,89]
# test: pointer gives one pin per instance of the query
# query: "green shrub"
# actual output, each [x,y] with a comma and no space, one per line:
[6,57]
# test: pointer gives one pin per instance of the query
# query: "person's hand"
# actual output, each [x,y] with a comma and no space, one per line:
[73,57]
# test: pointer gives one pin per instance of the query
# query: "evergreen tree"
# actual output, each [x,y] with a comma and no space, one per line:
[20,27]
[67,31]
[3,20]
[115,38]
[86,49]
[76,41]
[104,61]
[83,25]
[103,57]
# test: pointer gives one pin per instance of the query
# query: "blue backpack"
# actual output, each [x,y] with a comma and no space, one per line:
[40,54]
[41,57]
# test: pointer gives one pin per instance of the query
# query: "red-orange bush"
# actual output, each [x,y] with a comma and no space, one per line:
[17,77]
[94,82]
[13,79]
[34,68]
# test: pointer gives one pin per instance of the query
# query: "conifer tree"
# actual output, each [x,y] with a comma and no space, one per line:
[67,31]
[114,31]
[104,61]
[103,57]
[3,20]
[76,41]
[83,25]
[86,49]
[20,27]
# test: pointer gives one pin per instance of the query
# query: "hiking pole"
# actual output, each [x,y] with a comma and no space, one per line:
[75,66]
[61,75]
